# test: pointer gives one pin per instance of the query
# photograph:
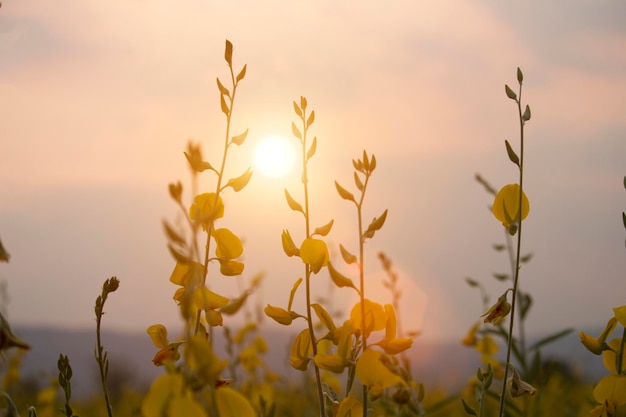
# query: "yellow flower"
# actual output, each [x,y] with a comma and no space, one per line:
[375,317]
[611,390]
[392,344]
[205,209]
[280,315]
[373,373]
[620,315]
[596,346]
[169,351]
[314,253]
[301,351]
[609,356]
[498,311]
[506,206]
[470,338]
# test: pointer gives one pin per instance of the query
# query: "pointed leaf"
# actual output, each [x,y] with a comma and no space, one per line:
[358,182]
[338,278]
[375,225]
[311,119]
[526,115]
[303,102]
[501,277]
[224,105]
[550,339]
[510,93]
[512,155]
[241,181]
[471,282]
[292,294]
[296,131]
[526,258]
[223,90]
[324,230]
[373,163]
[348,257]
[469,410]
[297,109]
[234,305]
[293,204]
[289,247]
[179,256]
[520,76]
[172,235]
[228,52]
[242,73]
[312,149]
[239,139]
[345,194]
[324,317]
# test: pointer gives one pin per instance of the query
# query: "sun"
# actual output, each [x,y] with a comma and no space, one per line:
[274,156]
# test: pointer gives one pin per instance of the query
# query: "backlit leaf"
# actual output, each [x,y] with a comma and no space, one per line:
[289,247]
[297,109]
[242,73]
[223,90]
[228,52]
[345,194]
[339,279]
[312,149]
[293,204]
[223,105]
[292,294]
[311,119]
[375,225]
[348,257]
[358,182]
[296,131]
[239,139]
[240,182]
[324,230]
[324,317]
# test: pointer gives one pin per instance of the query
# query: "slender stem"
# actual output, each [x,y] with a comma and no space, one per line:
[359,207]
[307,268]
[518,254]
[620,355]
[101,365]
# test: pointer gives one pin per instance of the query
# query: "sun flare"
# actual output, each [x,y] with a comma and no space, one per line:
[274,156]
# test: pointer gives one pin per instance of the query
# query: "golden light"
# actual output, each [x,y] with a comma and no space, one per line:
[274,156]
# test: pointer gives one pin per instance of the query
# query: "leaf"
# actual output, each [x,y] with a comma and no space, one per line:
[197,164]
[324,230]
[176,190]
[223,105]
[520,76]
[624,218]
[345,194]
[471,282]
[550,339]
[512,155]
[373,163]
[292,294]
[289,247]
[303,102]
[324,317]
[293,204]
[241,181]
[239,139]
[312,149]
[242,73]
[498,247]
[4,255]
[297,109]
[228,52]
[310,120]
[358,182]
[526,258]
[296,131]
[339,279]
[375,225]
[469,410]
[223,90]
[526,115]
[501,277]
[510,93]
[179,256]
[348,257]
[525,302]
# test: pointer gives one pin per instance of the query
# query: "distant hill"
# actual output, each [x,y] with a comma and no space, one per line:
[447,364]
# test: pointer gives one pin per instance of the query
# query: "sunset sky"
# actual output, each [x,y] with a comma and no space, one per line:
[99,99]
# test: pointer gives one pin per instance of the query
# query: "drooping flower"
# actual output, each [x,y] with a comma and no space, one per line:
[373,373]
[206,207]
[506,206]
[517,387]
[498,311]
[168,351]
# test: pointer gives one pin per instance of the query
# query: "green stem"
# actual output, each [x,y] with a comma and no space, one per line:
[517,257]
[620,355]
[307,268]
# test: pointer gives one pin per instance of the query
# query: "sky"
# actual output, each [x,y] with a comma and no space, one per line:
[99,99]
